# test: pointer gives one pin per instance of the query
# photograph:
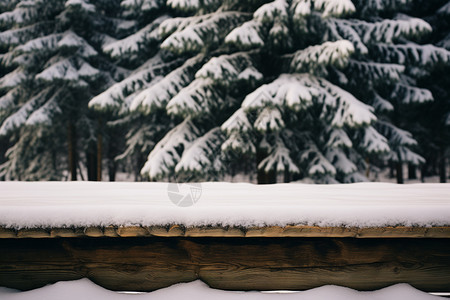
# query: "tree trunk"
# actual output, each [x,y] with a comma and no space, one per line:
[442,165]
[412,171]
[391,169]
[287,176]
[367,167]
[112,169]
[399,172]
[99,150]
[91,162]
[71,142]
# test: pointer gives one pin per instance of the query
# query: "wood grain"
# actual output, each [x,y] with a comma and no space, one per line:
[149,263]
[217,231]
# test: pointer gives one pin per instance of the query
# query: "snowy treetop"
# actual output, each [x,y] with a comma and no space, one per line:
[300,91]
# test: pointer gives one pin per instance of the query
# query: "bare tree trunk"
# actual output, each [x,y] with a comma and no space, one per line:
[99,150]
[442,165]
[112,169]
[287,176]
[399,172]
[391,169]
[412,171]
[91,161]
[71,142]
[368,167]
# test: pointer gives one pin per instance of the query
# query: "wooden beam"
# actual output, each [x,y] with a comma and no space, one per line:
[218,231]
[149,263]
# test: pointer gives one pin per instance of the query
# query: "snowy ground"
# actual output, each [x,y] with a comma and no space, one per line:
[59,204]
[86,290]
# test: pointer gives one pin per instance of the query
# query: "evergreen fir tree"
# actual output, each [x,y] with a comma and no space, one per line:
[55,69]
[305,89]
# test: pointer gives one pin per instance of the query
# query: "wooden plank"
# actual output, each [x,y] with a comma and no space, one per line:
[35,233]
[132,231]
[7,233]
[148,263]
[66,232]
[217,231]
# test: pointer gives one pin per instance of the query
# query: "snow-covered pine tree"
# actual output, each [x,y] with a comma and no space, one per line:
[293,85]
[135,48]
[394,64]
[430,121]
[54,70]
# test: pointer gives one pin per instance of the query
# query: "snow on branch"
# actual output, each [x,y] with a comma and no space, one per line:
[19,118]
[381,104]
[132,43]
[238,122]
[395,135]
[338,138]
[271,11]
[374,142]
[226,69]
[334,7]
[22,13]
[412,53]
[340,161]
[159,94]
[328,8]
[445,42]
[46,42]
[246,36]
[70,69]
[445,10]
[339,29]
[13,78]
[348,110]
[387,31]
[299,91]
[71,40]
[114,95]
[193,5]
[144,5]
[165,156]
[269,119]
[81,4]
[201,153]
[8,99]
[194,99]
[43,115]
[194,33]
[318,164]
[239,142]
[376,71]
[404,154]
[21,35]
[316,57]
[279,159]
[287,89]
[372,6]
[411,94]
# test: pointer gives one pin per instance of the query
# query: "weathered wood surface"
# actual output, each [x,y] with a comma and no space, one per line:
[148,263]
[211,231]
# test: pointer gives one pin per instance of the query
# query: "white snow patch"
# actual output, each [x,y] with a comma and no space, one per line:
[58,204]
[85,289]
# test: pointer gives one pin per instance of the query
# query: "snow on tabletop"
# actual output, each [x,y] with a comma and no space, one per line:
[60,204]
[85,289]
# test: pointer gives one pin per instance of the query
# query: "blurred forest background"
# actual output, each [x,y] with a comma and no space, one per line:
[318,91]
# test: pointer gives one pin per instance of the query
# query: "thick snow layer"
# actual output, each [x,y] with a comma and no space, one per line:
[33,204]
[85,289]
